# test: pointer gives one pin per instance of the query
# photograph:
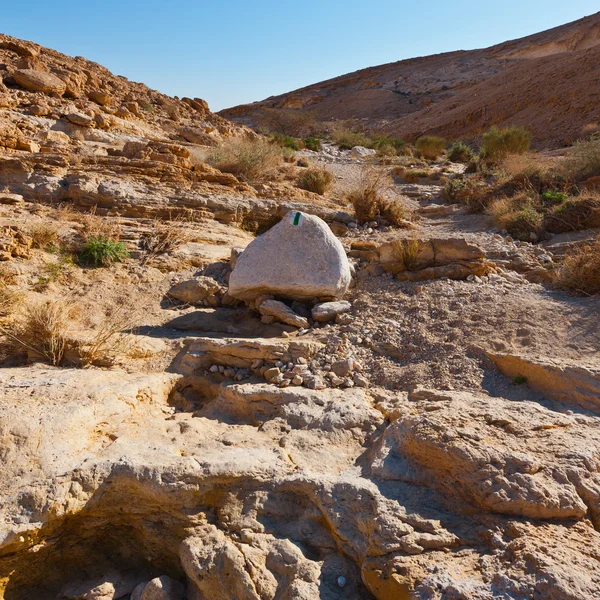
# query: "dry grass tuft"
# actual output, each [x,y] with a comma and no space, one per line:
[407,252]
[98,227]
[580,270]
[430,147]
[166,236]
[250,160]
[43,328]
[44,235]
[368,197]
[315,180]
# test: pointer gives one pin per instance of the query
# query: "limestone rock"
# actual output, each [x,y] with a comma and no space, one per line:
[563,380]
[299,258]
[327,311]
[506,457]
[362,152]
[194,291]
[163,588]
[80,119]
[56,137]
[283,313]
[39,81]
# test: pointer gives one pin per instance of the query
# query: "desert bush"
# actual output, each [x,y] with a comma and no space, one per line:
[346,138]
[250,160]
[287,141]
[98,227]
[522,223]
[165,236]
[44,328]
[367,197]
[552,197]
[43,235]
[460,152]
[395,212]
[9,298]
[498,143]
[288,121]
[406,253]
[574,214]
[584,160]
[312,143]
[315,180]
[103,252]
[580,269]
[430,147]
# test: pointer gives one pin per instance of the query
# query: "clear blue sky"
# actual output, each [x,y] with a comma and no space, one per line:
[235,51]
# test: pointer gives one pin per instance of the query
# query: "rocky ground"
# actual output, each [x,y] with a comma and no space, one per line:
[432,435]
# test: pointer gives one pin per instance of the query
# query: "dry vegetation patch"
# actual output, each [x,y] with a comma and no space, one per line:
[580,269]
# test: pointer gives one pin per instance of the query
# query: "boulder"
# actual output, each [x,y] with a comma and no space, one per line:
[299,258]
[38,81]
[80,119]
[362,152]
[193,291]
[163,588]
[282,313]
[56,137]
[327,311]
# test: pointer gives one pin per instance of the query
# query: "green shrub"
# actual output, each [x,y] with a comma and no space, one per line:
[584,160]
[521,224]
[312,143]
[346,139]
[287,141]
[460,152]
[383,143]
[315,180]
[553,197]
[430,146]
[101,251]
[498,143]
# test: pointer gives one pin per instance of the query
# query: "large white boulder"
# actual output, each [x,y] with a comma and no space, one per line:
[298,258]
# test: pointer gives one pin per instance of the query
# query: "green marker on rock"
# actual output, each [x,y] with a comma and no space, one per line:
[297,218]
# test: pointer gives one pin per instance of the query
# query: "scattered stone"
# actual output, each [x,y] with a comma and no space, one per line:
[195,291]
[343,368]
[80,119]
[283,313]
[362,152]
[163,588]
[299,258]
[327,311]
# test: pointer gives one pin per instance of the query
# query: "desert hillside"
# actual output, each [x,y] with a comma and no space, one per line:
[243,367]
[547,81]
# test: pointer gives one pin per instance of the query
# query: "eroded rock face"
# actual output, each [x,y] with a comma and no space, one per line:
[257,494]
[299,258]
[39,81]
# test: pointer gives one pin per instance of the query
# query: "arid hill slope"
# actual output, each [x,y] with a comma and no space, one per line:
[547,81]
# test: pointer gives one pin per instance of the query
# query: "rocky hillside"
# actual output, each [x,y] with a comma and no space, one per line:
[393,404]
[547,82]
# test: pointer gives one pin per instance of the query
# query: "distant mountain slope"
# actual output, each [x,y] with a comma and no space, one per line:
[548,81]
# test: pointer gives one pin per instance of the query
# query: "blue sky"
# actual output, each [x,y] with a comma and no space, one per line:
[235,51]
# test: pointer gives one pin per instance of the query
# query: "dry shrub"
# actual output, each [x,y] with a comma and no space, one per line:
[406,253]
[395,212]
[250,160]
[44,328]
[44,235]
[580,269]
[523,223]
[9,299]
[103,345]
[430,147]
[47,329]
[368,197]
[315,180]
[584,160]
[573,215]
[166,236]
[498,143]
[98,227]
[346,139]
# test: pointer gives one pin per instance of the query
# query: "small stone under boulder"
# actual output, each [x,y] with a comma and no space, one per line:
[299,258]
[327,311]
[282,313]
[194,291]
